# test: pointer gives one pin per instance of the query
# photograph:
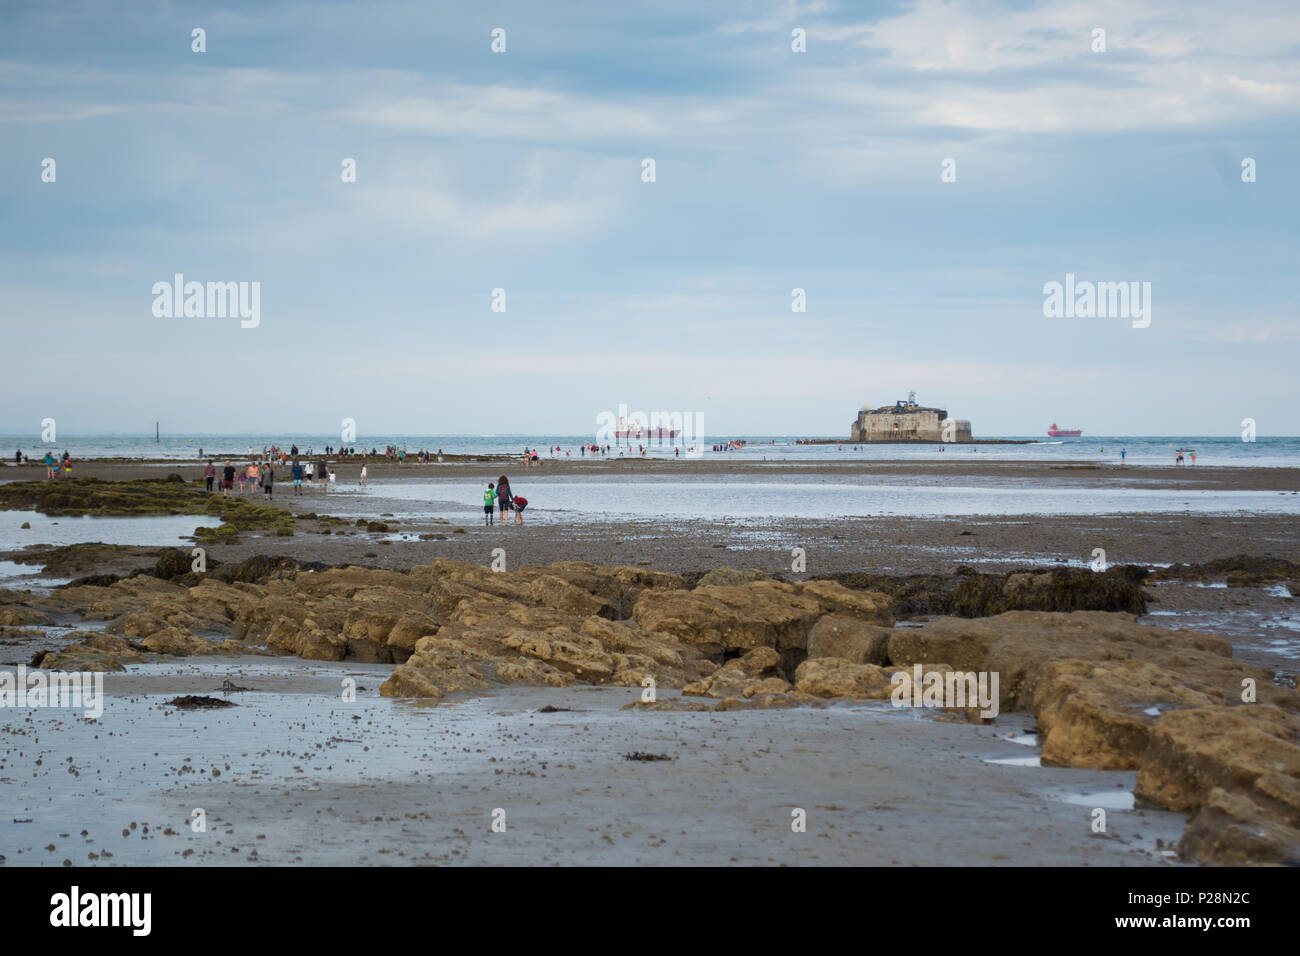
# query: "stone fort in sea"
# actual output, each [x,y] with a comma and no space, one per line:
[906,421]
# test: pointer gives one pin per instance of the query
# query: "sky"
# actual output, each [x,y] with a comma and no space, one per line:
[774,170]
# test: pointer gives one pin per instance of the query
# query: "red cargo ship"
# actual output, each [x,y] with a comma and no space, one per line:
[1055,432]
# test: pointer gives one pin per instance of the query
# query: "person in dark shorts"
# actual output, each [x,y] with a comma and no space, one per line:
[209,473]
[296,471]
[503,499]
[489,499]
[520,505]
[227,479]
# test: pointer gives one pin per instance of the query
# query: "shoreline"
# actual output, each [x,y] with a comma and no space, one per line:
[415,595]
[1208,477]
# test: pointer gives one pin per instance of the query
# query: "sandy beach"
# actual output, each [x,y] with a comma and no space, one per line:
[905,543]
[385,782]
[418,781]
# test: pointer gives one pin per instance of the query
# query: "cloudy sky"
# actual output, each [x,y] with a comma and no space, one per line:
[522,171]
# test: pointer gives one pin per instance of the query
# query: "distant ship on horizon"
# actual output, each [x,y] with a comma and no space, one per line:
[632,428]
[1055,432]
[645,433]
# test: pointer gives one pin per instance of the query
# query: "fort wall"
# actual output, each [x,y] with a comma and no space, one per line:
[908,423]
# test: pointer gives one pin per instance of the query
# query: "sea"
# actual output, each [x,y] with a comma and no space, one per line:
[1270,452]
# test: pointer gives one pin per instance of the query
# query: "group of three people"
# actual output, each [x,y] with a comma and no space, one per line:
[499,495]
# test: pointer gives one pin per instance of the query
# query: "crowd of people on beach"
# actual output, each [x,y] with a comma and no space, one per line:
[54,466]
[594,450]
[249,478]
[274,453]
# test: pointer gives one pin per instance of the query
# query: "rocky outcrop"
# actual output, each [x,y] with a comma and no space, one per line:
[730,577]
[968,593]
[16,615]
[836,677]
[171,495]
[756,674]
[1248,748]
[1233,829]
[489,641]
[94,651]
[729,619]
[620,585]
[1101,714]
[850,638]
[1208,735]
[1016,644]
[721,619]
[1243,570]
[1238,770]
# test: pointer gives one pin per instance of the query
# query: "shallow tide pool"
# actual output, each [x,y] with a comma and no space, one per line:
[152,530]
[576,500]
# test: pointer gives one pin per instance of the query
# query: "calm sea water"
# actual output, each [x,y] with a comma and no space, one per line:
[752,499]
[1148,450]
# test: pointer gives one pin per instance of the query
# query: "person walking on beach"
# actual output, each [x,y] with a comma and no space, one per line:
[503,499]
[489,499]
[1178,456]
[307,470]
[254,478]
[209,473]
[268,480]
[227,479]
[323,474]
[1193,456]
[49,465]
[296,474]
[363,476]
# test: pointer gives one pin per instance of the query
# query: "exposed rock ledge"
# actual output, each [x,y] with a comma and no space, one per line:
[1108,692]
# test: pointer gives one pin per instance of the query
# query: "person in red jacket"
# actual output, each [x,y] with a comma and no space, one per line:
[520,504]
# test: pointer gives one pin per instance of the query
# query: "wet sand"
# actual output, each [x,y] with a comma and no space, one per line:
[306,778]
[892,543]
[1082,472]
